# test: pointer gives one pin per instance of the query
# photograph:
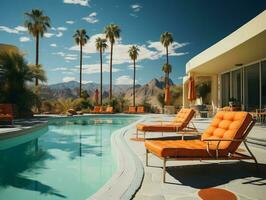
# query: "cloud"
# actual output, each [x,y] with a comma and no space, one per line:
[78,2]
[152,50]
[70,22]
[124,80]
[53,45]
[91,18]
[95,68]
[60,53]
[60,34]
[68,78]
[24,39]
[61,28]
[21,29]
[136,7]
[138,67]
[66,56]
[70,58]
[48,35]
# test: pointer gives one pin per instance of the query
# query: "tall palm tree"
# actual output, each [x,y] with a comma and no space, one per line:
[112,32]
[167,39]
[133,54]
[37,24]
[81,39]
[101,45]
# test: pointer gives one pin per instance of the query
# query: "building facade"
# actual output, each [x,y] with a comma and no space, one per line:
[236,66]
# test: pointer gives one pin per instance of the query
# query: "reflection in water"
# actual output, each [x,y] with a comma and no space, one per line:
[71,160]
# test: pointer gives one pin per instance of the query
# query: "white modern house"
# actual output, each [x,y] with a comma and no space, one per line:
[236,66]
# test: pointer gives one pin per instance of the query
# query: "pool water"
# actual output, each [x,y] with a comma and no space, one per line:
[71,159]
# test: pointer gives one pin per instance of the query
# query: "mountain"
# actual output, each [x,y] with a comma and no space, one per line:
[70,89]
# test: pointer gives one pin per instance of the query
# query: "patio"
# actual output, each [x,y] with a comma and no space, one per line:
[186,178]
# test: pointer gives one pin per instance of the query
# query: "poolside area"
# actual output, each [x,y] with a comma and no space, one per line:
[184,179]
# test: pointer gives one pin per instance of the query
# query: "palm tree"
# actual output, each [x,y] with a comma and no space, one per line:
[133,54]
[37,24]
[166,39]
[101,46]
[112,32]
[81,39]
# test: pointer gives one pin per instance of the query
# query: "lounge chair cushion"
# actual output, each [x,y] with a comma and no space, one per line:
[227,125]
[181,148]
[165,127]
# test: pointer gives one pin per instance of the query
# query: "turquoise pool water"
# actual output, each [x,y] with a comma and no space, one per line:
[71,159]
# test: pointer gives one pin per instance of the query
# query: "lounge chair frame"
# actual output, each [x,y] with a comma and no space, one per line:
[230,156]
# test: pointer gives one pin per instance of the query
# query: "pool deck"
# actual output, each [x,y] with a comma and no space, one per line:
[186,178]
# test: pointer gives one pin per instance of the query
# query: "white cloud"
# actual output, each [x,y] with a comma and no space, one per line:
[60,34]
[95,68]
[21,29]
[149,51]
[59,69]
[70,58]
[48,35]
[85,82]
[136,7]
[24,39]
[53,45]
[70,22]
[138,67]
[91,18]
[8,30]
[124,80]
[79,2]
[61,28]
[68,78]
[60,53]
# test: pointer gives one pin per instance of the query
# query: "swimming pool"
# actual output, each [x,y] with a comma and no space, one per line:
[71,159]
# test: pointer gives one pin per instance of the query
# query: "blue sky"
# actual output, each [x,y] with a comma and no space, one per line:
[195,25]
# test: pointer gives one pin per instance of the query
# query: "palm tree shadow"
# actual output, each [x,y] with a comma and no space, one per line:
[215,174]
[28,157]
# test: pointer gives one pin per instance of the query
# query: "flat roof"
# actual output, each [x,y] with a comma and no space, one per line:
[245,45]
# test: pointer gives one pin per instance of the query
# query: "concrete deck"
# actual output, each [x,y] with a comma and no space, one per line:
[186,178]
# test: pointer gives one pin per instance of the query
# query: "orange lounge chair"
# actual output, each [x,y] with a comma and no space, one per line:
[180,123]
[219,141]
[140,109]
[131,110]
[96,109]
[109,110]
[6,113]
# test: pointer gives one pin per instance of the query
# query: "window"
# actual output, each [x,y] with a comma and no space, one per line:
[236,86]
[225,95]
[263,84]
[252,87]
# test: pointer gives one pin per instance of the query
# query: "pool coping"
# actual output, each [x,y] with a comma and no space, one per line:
[128,177]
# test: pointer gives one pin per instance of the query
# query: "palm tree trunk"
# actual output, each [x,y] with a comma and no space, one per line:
[101,59]
[37,57]
[80,71]
[167,55]
[134,77]
[111,59]
[167,74]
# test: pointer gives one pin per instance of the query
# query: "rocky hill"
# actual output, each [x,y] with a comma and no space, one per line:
[70,89]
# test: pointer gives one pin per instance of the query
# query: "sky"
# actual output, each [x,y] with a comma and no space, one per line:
[195,25]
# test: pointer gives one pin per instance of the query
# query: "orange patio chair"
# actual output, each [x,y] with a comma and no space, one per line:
[6,113]
[140,109]
[219,141]
[109,110]
[131,110]
[96,109]
[179,124]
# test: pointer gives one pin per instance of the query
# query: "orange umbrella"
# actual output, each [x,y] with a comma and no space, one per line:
[167,95]
[96,96]
[191,89]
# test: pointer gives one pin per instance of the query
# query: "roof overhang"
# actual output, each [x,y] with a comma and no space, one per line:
[245,45]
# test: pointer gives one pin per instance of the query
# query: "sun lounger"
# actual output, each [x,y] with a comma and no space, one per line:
[219,141]
[109,110]
[179,124]
[140,109]
[96,109]
[6,113]
[131,110]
